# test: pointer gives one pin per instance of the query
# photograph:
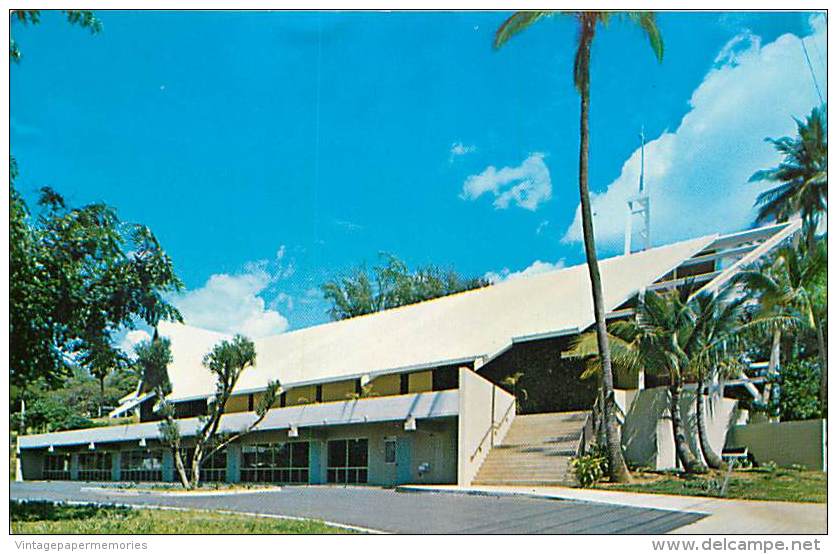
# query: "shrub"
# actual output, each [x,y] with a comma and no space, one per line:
[799,391]
[589,468]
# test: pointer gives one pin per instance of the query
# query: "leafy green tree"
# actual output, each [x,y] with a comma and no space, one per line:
[587,26]
[799,386]
[802,174]
[74,403]
[78,275]
[226,362]
[390,285]
[85,19]
[794,286]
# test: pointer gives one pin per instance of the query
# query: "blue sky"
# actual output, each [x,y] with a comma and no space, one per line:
[272,151]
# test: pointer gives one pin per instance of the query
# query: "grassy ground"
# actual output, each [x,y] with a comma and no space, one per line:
[789,485]
[49,518]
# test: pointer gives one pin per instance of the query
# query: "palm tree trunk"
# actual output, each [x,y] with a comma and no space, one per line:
[685,455]
[772,366]
[710,457]
[616,463]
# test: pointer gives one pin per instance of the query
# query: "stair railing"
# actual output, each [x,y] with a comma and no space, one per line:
[492,429]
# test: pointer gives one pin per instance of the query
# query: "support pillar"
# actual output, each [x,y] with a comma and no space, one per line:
[233,462]
[316,456]
[168,465]
[74,466]
[116,466]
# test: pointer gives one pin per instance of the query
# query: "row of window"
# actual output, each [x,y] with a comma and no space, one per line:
[94,466]
[141,465]
[275,462]
[57,467]
[347,462]
[442,378]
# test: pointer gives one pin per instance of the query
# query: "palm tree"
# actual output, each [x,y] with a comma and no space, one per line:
[803,175]
[789,288]
[587,24]
[715,350]
[656,340]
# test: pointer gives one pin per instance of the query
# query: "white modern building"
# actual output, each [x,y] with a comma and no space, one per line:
[409,395]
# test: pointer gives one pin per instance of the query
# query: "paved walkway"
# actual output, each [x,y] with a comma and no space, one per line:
[722,516]
[391,511]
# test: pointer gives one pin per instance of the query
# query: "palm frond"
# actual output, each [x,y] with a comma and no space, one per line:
[647,21]
[518,22]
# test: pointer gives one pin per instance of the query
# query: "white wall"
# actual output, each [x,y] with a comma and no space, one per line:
[477,419]
[647,435]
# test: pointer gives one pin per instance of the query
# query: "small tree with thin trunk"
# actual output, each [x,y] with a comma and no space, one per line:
[227,361]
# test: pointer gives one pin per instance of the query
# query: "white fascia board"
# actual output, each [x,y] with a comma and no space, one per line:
[592,319]
[781,232]
[528,338]
[734,239]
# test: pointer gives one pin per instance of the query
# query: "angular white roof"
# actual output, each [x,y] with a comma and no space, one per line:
[453,329]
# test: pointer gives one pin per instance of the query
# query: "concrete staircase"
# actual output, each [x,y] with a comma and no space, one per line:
[535,452]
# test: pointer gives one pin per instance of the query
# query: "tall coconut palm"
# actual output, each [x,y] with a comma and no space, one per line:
[587,25]
[803,174]
[789,288]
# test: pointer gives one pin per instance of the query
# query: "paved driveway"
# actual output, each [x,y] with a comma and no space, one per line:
[397,512]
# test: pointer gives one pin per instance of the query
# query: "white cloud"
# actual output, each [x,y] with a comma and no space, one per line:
[231,304]
[527,185]
[133,338]
[542,226]
[537,267]
[458,149]
[697,175]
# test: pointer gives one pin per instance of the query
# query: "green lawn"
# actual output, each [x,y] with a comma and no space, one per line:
[49,518]
[789,485]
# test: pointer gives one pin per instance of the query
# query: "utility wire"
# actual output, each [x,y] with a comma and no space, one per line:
[811,69]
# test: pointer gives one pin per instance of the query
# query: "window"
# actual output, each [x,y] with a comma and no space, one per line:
[275,462]
[405,383]
[348,461]
[190,408]
[94,466]
[213,469]
[141,465]
[446,378]
[389,450]
[57,467]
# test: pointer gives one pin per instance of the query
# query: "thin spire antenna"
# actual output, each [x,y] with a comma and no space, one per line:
[642,160]
[639,205]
